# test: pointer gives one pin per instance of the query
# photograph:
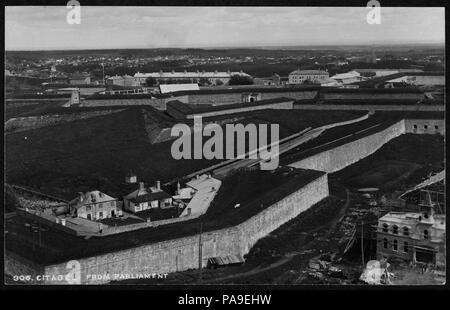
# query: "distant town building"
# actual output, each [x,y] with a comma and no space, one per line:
[348,77]
[274,80]
[146,198]
[305,76]
[80,78]
[94,205]
[126,81]
[214,78]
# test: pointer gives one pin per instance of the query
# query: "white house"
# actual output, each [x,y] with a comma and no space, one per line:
[146,198]
[94,205]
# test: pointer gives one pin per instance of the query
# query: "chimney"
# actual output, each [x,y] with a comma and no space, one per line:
[80,195]
[158,185]
[178,186]
[141,186]
[63,222]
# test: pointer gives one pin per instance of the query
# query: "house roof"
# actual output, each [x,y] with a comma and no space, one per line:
[169,88]
[413,218]
[91,197]
[317,72]
[346,75]
[150,197]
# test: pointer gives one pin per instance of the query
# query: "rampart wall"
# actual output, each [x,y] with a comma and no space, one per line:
[230,98]
[344,155]
[33,122]
[372,107]
[157,103]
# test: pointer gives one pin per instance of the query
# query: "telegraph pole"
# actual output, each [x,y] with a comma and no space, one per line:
[103,66]
[362,242]
[200,254]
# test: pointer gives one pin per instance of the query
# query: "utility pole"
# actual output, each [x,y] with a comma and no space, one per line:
[39,231]
[200,254]
[362,242]
[103,66]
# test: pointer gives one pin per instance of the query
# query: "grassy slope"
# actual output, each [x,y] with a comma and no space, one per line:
[98,152]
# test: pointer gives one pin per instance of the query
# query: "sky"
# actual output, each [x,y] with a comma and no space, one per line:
[45,27]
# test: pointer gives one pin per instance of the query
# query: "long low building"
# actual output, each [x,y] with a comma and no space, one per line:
[214,77]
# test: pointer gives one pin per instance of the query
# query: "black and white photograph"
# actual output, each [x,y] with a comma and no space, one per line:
[224,146]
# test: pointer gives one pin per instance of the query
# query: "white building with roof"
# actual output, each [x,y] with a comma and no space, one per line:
[144,198]
[347,77]
[94,205]
[170,88]
[206,188]
[417,237]
[313,76]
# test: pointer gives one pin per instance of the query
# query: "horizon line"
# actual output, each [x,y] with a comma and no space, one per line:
[262,47]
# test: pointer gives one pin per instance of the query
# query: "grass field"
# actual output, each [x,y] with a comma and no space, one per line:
[97,153]
[399,164]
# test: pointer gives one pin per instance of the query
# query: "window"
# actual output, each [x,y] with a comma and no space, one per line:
[100,215]
[395,229]
[88,208]
[415,126]
[425,127]
[436,127]
[111,203]
[405,231]
[395,245]
[426,234]
[405,247]
[385,227]
[385,243]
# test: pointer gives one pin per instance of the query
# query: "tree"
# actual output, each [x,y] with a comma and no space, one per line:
[204,81]
[219,82]
[151,81]
[238,79]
